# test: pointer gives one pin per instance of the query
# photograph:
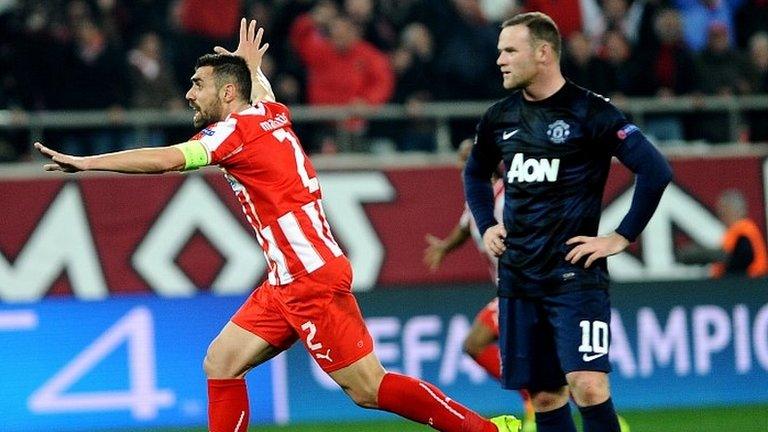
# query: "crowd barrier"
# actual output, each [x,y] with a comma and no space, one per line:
[95,235]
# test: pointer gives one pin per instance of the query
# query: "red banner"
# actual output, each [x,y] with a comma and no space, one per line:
[95,235]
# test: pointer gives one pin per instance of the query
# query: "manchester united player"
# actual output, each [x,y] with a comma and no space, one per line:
[307,294]
[556,141]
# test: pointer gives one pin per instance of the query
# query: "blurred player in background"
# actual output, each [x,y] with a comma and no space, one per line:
[556,141]
[481,341]
[742,250]
[307,294]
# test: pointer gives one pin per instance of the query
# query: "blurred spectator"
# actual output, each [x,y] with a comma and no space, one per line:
[440,49]
[722,68]
[342,69]
[642,13]
[617,17]
[723,73]
[466,55]
[375,28]
[758,55]
[670,70]
[497,11]
[92,79]
[743,245]
[137,17]
[414,66]
[581,66]
[152,83]
[750,18]
[622,72]
[699,15]
[572,16]
[742,250]
[200,25]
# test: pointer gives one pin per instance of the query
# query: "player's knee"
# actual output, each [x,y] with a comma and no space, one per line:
[365,396]
[471,348]
[215,364]
[549,400]
[588,388]
[209,366]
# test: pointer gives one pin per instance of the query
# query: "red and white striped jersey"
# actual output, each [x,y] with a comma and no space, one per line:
[276,185]
[467,221]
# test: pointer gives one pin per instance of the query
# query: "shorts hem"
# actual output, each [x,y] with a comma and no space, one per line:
[261,335]
[335,367]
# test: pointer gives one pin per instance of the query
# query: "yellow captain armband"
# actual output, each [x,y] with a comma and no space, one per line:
[195,154]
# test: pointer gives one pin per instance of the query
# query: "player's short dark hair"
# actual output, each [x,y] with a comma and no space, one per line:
[229,69]
[541,27]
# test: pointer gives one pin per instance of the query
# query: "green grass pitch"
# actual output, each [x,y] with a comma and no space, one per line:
[752,418]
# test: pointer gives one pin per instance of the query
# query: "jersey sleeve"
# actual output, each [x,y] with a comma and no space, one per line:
[481,164]
[609,126]
[485,151]
[221,140]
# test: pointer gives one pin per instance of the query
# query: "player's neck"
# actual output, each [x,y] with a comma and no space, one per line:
[544,87]
[234,107]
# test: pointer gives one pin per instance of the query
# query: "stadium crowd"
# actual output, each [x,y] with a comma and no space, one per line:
[116,55]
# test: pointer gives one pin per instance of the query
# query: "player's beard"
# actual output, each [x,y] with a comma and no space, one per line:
[208,115]
[516,82]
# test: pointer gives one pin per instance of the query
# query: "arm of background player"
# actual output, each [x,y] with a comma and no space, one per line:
[249,48]
[652,175]
[438,248]
[137,161]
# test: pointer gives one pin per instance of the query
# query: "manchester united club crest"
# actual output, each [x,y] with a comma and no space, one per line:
[558,131]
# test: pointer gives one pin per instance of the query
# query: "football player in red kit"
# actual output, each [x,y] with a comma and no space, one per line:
[307,295]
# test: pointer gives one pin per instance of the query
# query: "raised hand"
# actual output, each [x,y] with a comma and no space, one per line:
[249,47]
[61,162]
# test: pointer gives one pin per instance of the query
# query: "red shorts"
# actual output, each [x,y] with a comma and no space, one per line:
[489,316]
[318,308]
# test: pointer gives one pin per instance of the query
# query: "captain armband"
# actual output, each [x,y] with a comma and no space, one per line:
[195,154]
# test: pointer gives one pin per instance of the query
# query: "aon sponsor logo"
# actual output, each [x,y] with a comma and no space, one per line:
[523,170]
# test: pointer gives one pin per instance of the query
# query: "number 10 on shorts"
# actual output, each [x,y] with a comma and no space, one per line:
[594,339]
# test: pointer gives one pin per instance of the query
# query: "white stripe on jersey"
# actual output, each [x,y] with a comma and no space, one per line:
[299,242]
[327,233]
[257,109]
[256,224]
[221,131]
[317,224]
[282,275]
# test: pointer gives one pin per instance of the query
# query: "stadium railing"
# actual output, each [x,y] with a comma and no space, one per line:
[441,113]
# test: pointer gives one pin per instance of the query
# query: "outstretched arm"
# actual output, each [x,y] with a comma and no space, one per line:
[137,161]
[251,49]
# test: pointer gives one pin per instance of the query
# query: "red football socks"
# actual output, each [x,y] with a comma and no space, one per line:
[490,360]
[424,403]
[227,405]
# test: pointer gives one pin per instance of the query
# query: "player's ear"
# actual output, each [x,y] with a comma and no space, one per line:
[544,52]
[229,93]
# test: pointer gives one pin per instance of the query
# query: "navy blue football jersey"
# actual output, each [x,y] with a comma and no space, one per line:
[556,154]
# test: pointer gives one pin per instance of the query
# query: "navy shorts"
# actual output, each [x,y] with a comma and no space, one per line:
[542,339]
